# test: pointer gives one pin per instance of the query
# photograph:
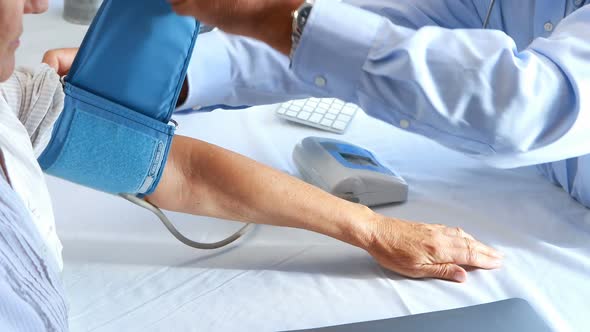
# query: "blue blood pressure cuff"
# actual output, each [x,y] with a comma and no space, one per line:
[114,133]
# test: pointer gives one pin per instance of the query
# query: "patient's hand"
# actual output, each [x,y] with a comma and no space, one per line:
[60,59]
[428,251]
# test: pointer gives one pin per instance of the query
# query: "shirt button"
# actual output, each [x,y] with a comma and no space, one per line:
[548,26]
[578,2]
[404,124]
[320,81]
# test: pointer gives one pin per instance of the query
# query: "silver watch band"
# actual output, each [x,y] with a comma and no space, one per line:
[300,16]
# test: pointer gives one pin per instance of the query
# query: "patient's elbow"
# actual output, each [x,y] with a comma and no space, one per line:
[179,188]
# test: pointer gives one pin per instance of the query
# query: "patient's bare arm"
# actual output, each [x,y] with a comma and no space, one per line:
[204,179]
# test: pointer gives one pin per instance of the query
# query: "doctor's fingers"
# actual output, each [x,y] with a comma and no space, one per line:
[183,7]
[233,16]
[208,11]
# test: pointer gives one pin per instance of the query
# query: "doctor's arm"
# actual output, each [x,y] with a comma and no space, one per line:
[234,71]
[469,89]
[230,70]
[204,179]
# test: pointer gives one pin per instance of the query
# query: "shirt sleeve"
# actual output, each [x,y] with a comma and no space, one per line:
[37,98]
[469,89]
[229,71]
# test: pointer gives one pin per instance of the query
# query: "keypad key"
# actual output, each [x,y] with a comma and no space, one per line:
[349,110]
[344,117]
[325,113]
[315,118]
[325,104]
[303,115]
[327,122]
[308,108]
[340,125]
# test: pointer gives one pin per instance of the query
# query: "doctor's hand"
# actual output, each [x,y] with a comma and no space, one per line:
[266,20]
[60,59]
[428,251]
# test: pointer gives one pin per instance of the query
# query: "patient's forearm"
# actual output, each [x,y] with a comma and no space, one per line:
[204,179]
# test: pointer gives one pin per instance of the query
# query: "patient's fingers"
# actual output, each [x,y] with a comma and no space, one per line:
[459,242]
[60,59]
[449,272]
[51,61]
[474,253]
[465,242]
[457,232]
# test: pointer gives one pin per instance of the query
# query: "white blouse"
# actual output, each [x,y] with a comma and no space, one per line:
[30,103]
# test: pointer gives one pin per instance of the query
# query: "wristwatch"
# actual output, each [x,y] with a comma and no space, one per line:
[300,16]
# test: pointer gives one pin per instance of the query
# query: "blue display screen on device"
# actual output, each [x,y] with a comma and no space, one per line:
[354,157]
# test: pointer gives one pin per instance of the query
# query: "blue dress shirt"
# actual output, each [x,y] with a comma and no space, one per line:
[513,95]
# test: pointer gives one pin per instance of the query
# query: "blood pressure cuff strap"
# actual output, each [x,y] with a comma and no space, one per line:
[113,134]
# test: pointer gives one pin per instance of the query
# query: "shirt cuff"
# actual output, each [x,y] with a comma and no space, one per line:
[334,46]
[207,71]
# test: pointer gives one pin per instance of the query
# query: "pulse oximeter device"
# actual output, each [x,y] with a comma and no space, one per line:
[348,171]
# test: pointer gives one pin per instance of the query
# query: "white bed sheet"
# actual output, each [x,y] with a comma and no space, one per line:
[124,272]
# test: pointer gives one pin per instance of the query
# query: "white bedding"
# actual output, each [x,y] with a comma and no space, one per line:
[124,272]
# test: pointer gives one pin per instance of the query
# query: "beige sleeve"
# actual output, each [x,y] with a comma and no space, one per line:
[37,98]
